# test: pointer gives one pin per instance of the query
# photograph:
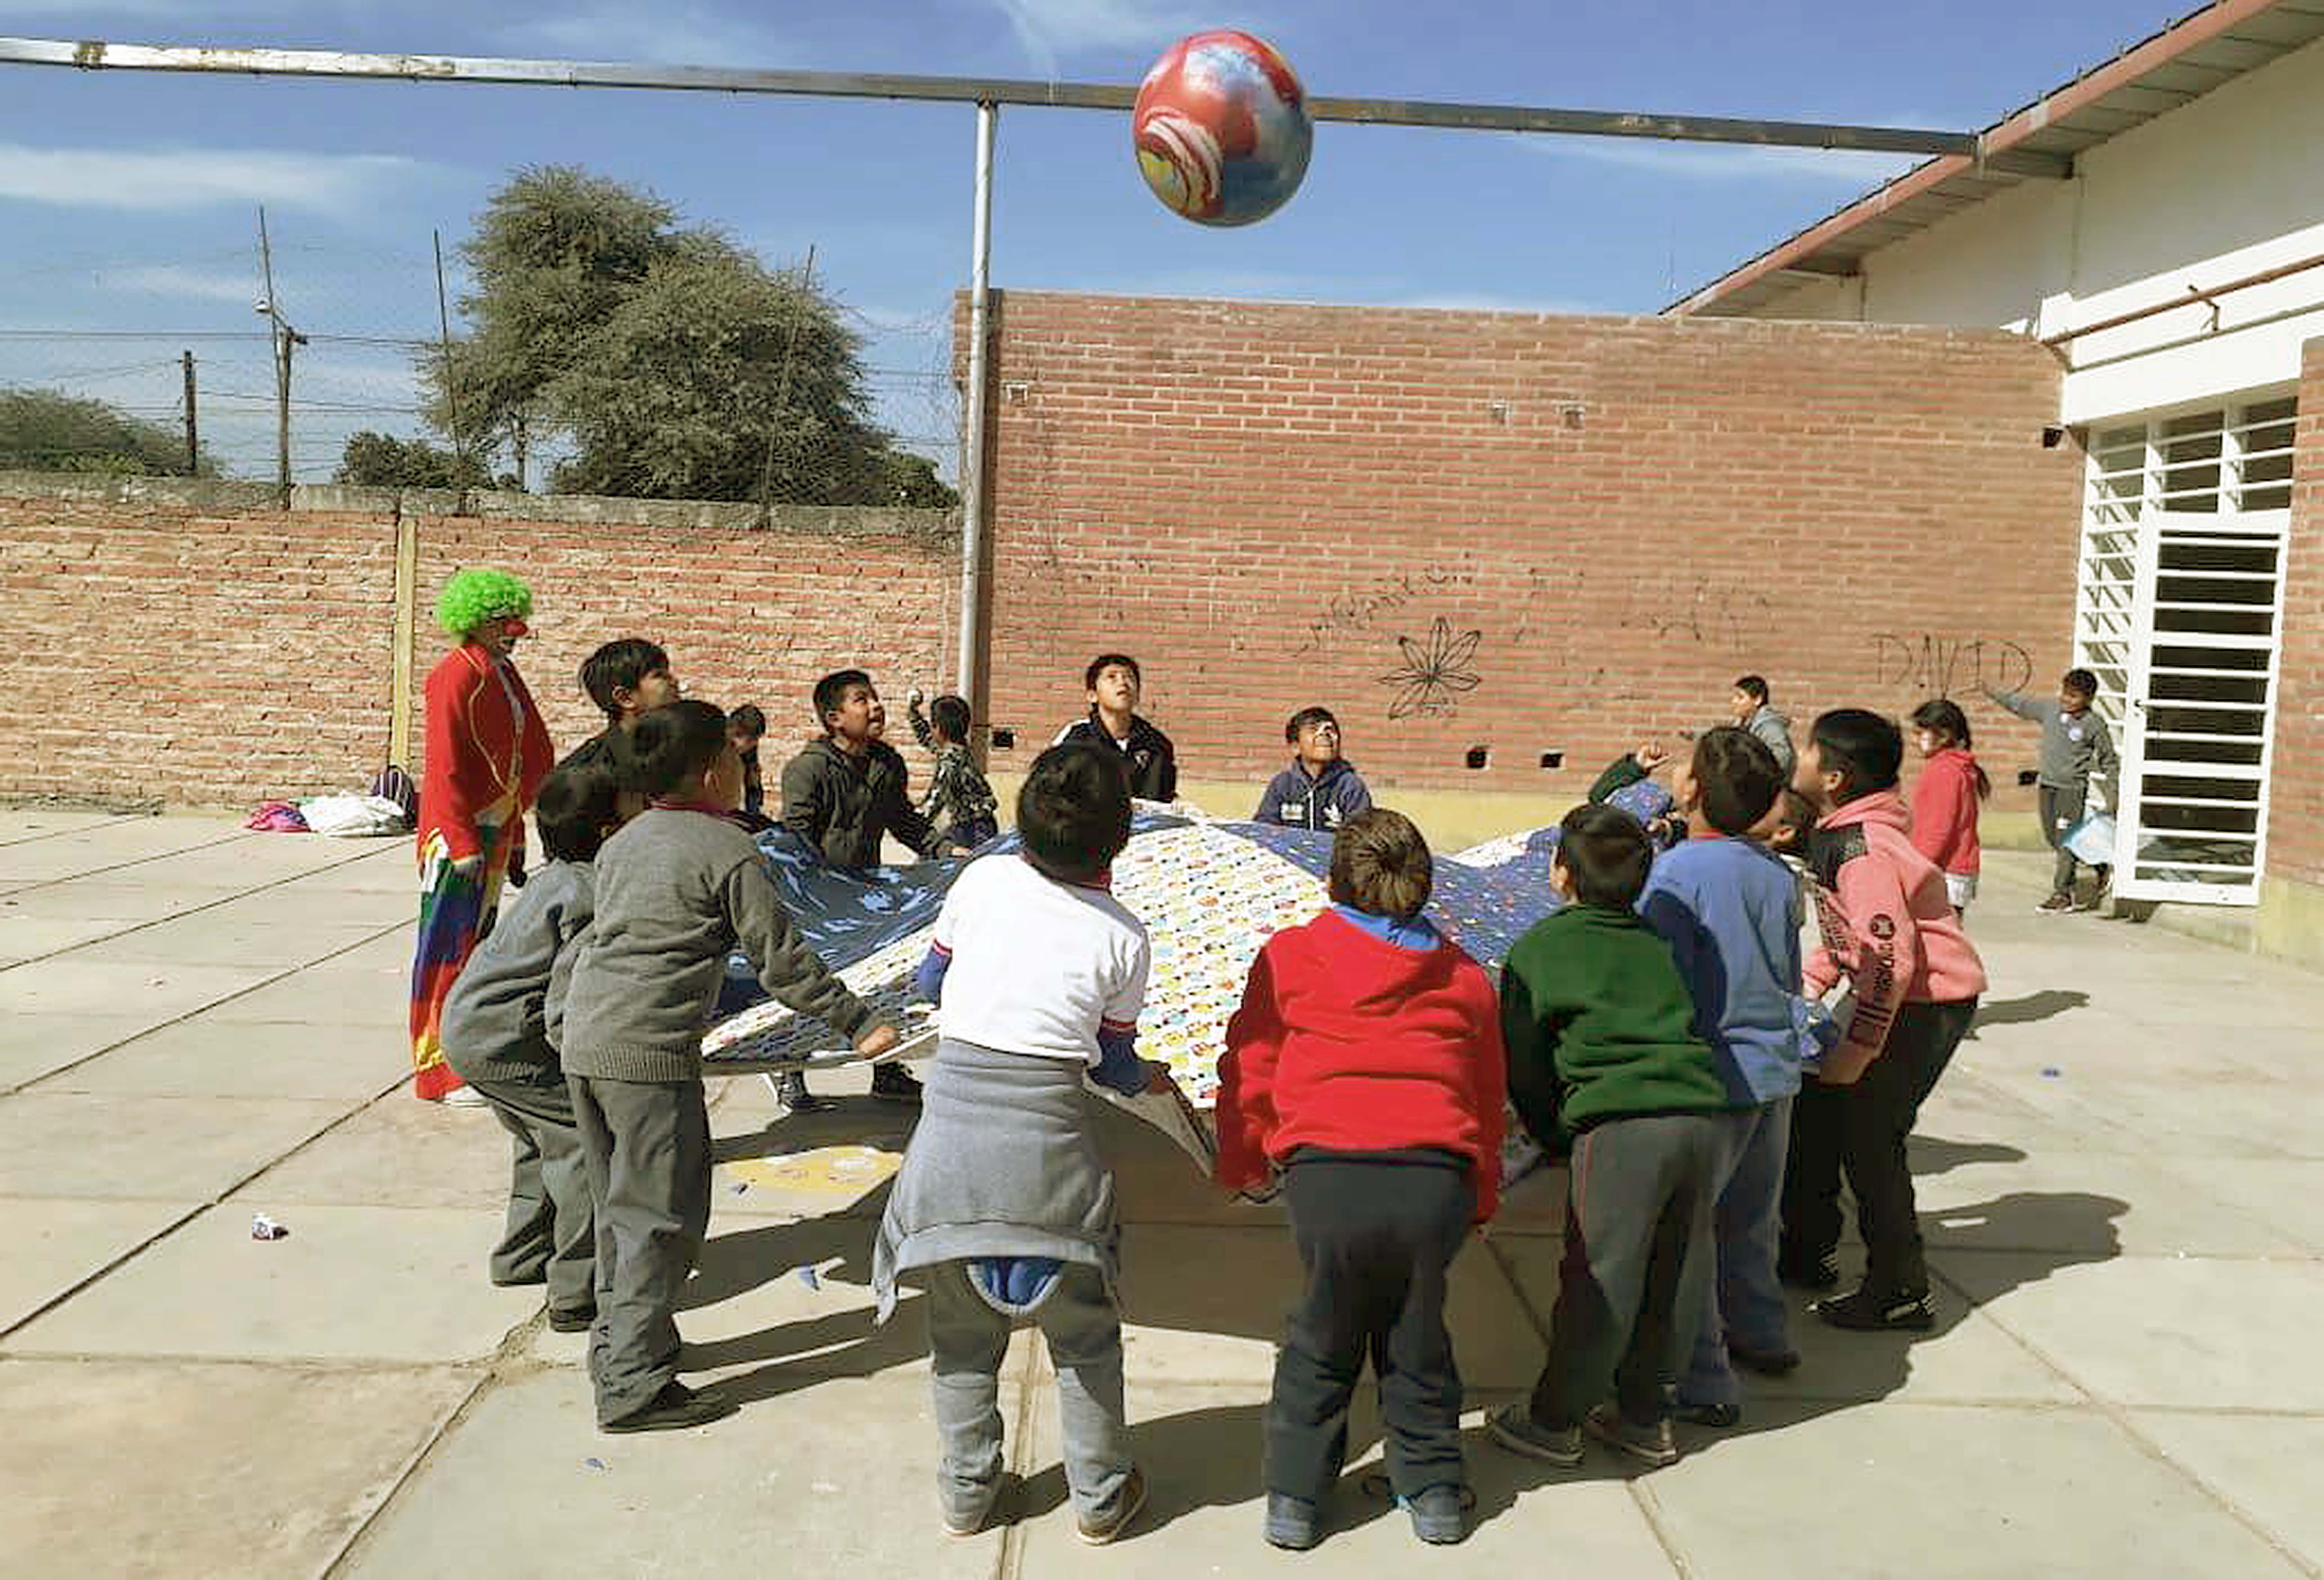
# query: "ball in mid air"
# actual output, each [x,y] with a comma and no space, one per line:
[1222,128]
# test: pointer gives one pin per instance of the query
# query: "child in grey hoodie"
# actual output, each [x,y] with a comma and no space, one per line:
[677,889]
[496,1036]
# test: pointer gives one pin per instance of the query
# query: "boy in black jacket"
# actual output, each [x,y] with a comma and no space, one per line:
[1114,685]
[840,795]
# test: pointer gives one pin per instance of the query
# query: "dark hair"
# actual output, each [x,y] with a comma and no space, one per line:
[577,802]
[951,716]
[747,718]
[1607,853]
[1754,687]
[1381,864]
[1798,811]
[669,746]
[1738,777]
[1943,716]
[1074,811]
[1106,661]
[1302,719]
[2082,680]
[618,667]
[1864,748]
[831,690]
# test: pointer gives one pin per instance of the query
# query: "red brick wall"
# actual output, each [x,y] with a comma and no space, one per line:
[2295,821]
[1268,504]
[193,643]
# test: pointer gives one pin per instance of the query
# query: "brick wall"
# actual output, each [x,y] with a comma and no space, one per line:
[193,643]
[2295,821]
[1529,533]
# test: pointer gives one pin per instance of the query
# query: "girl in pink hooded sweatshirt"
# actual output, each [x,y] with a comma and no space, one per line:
[1890,930]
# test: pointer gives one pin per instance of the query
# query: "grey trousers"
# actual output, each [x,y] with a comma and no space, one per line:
[648,1148]
[2061,809]
[1639,1248]
[968,1336]
[552,1234]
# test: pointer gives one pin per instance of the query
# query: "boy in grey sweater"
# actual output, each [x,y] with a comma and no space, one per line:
[2077,754]
[676,889]
[496,1036]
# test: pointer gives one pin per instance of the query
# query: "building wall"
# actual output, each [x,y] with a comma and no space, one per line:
[2295,823]
[1607,519]
[2222,187]
[193,643]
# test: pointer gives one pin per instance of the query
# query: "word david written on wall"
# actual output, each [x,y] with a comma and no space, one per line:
[1943,666]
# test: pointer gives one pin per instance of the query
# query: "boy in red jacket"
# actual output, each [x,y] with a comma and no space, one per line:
[1889,927]
[1366,1062]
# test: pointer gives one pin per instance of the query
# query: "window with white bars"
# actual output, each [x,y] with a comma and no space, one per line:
[2178,611]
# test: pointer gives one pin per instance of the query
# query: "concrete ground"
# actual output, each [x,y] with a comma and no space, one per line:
[2122,1177]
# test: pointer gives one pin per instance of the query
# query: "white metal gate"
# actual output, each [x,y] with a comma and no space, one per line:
[2180,613]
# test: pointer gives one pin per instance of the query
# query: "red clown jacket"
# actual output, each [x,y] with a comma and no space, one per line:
[486,740]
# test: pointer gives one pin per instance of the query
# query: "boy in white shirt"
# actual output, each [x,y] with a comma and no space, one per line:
[1004,1199]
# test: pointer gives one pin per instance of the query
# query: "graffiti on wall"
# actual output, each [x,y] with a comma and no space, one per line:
[1358,608]
[1942,666]
[1434,674]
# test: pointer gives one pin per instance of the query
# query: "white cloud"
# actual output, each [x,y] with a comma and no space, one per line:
[1729,161]
[673,35]
[1051,29]
[172,280]
[148,180]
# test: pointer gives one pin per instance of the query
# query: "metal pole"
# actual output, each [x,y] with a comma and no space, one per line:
[99,55]
[969,674]
[193,435]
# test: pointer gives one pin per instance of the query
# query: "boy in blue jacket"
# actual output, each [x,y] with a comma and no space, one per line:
[1321,789]
[1731,910]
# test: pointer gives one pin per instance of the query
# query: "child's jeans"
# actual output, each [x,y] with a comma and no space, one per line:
[1638,1255]
[1861,1130]
[1377,1238]
[968,1336]
[647,1147]
[1744,1303]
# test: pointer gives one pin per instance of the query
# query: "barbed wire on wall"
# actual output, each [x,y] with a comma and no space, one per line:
[366,320]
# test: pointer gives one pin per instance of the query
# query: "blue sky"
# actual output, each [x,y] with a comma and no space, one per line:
[128,200]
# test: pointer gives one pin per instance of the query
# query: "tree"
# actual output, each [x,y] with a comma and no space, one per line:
[46,430]
[372,460]
[670,363]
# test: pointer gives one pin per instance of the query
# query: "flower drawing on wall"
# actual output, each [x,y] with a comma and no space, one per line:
[1432,675]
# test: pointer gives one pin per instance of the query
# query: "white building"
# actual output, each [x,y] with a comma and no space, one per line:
[2160,221]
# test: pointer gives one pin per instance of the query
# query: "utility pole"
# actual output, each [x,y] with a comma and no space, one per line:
[285,337]
[444,328]
[193,432]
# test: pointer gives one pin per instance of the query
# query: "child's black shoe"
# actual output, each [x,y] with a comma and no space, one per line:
[1868,1311]
[674,1408]
[579,1320]
[1809,1270]
[894,1083]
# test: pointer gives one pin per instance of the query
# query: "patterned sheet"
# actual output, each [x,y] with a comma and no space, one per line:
[1209,893]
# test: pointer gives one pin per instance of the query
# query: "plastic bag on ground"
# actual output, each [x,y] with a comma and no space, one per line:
[352,816]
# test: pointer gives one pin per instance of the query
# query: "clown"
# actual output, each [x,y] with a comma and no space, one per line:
[487,750]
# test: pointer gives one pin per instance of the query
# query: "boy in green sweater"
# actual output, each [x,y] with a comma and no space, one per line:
[1601,1049]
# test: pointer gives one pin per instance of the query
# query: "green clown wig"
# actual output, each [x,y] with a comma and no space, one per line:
[472,597]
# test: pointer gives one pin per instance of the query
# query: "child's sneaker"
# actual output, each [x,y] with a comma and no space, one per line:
[1865,1311]
[1775,1362]
[791,1094]
[1514,1428]
[894,1084]
[1648,1445]
[2098,891]
[1440,1514]
[2057,904]
[1097,1529]
[1721,1416]
[1294,1524]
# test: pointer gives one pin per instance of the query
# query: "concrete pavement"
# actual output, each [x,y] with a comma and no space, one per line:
[2122,1179]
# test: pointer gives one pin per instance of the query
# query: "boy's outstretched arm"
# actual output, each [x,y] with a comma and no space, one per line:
[922,731]
[788,969]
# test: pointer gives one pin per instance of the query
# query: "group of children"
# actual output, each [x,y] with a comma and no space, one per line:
[1662,1029]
